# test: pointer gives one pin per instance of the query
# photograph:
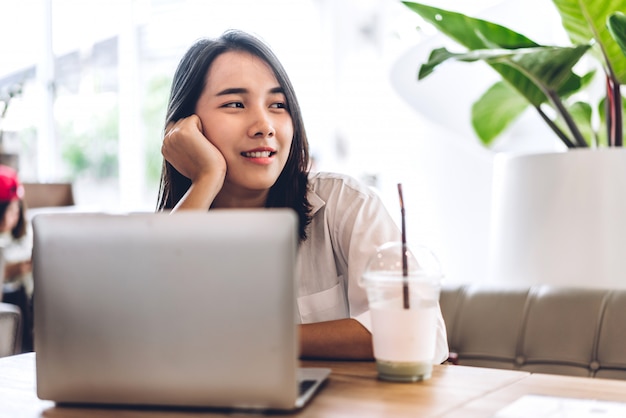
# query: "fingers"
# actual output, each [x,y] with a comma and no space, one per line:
[187,149]
[180,137]
[190,125]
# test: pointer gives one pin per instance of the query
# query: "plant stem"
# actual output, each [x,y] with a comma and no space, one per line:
[614,112]
[608,111]
[555,128]
[613,103]
[578,137]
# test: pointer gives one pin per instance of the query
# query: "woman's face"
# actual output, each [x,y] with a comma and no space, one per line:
[244,114]
[11,216]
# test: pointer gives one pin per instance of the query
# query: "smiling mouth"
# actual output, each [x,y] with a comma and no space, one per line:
[258,154]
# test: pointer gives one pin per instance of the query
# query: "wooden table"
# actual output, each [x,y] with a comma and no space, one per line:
[352,390]
[542,384]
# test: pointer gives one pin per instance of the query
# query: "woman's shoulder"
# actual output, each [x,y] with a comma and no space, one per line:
[327,183]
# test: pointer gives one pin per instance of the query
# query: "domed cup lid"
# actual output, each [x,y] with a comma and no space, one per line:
[386,266]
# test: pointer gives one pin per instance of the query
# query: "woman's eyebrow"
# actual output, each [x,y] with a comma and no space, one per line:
[241,90]
[277,90]
[233,90]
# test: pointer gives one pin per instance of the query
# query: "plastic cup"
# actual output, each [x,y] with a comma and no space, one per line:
[404,311]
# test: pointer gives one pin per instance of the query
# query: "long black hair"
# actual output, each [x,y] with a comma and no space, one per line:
[290,189]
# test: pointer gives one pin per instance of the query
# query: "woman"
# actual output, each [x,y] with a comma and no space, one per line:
[235,138]
[16,243]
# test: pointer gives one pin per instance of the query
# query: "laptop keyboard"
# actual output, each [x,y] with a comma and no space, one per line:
[305,385]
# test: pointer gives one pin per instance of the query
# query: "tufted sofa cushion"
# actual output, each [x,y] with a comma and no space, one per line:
[540,328]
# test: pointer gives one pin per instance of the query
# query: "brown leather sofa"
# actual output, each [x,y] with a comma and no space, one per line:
[10,329]
[540,328]
[569,331]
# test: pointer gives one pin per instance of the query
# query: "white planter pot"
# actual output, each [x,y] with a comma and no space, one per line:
[560,218]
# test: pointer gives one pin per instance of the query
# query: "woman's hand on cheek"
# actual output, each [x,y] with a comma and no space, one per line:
[190,152]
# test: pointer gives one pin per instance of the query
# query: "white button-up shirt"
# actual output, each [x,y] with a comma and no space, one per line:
[349,222]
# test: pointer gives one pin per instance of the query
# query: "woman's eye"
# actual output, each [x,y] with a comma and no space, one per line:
[279,105]
[238,105]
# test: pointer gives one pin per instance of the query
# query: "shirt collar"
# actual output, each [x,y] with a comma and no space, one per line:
[315,201]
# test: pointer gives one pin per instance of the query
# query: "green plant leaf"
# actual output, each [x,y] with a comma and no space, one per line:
[495,110]
[478,34]
[548,68]
[617,28]
[585,20]
[470,32]
[436,57]
[541,74]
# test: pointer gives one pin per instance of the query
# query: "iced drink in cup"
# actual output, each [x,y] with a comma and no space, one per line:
[403,305]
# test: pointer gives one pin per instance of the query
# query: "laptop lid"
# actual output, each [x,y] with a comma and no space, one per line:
[188,309]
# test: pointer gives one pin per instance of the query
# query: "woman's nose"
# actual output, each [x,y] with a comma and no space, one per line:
[261,125]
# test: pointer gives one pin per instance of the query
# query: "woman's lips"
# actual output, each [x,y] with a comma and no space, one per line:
[258,154]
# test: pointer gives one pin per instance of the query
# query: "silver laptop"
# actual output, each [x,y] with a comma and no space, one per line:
[195,309]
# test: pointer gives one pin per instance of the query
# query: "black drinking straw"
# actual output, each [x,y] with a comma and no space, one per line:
[405,267]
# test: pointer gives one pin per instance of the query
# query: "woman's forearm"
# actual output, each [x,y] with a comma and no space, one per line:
[344,339]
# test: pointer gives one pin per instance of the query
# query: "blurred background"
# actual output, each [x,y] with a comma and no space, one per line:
[85,84]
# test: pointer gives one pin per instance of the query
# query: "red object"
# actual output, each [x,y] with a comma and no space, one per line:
[10,186]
